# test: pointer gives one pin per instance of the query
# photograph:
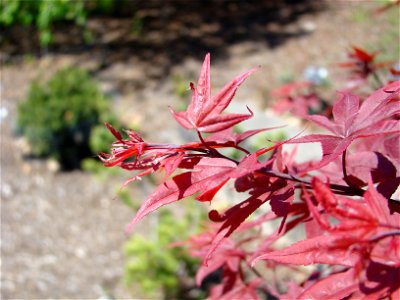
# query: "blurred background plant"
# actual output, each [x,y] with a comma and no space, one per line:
[42,14]
[181,90]
[155,266]
[64,118]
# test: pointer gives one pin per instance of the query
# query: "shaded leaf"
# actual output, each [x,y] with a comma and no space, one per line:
[335,286]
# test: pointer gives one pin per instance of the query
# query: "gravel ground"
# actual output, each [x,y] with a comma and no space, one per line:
[62,233]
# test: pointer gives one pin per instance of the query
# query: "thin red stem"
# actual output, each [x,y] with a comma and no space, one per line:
[344,169]
[384,235]
[213,152]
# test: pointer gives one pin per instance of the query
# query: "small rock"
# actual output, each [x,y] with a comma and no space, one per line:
[39,180]
[41,286]
[308,26]
[316,75]
[27,230]
[74,228]
[49,259]
[105,202]
[23,144]
[6,190]
[80,252]
[3,113]
[53,165]
[115,255]
[26,168]
[8,286]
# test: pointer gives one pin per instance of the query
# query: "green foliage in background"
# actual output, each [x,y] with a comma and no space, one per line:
[181,90]
[390,50]
[154,266]
[43,13]
[64,118]
[100,138]
[181,87]
[268,139]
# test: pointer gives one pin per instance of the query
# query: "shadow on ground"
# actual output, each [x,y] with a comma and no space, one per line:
[166,32]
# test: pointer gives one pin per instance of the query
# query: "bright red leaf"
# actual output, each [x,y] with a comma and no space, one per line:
[205,112]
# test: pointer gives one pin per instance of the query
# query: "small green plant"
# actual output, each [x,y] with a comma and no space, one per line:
[181,89]
[155,267]
[268,139]
[127,199]
[286,77]
[360,14]
[136,25]
[58,118]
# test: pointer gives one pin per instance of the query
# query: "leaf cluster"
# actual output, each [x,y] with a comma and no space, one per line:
[342,202]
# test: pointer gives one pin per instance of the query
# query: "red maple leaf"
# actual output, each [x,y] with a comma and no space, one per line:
[228,256]
[298,98]
[239,290]
[352,122]
[205,112]
[362,63]
[207,177]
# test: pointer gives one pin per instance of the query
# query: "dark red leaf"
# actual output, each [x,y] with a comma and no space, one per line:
[234,217]
[335,286]
[363,165]
[318,250]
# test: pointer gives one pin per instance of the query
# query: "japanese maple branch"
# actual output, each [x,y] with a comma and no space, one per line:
[346,189]
[336,188]
[350,190]
[212,151]
[307,183]
[254,270]
[241,149]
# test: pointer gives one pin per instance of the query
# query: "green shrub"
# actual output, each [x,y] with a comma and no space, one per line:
[100,138]
[58,118]
[157,268]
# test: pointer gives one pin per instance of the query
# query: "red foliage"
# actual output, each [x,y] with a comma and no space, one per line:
[352,225]
[298,98]
[351,122]
[362,65]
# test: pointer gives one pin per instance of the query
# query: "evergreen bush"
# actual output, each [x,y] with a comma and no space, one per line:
[58,117]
